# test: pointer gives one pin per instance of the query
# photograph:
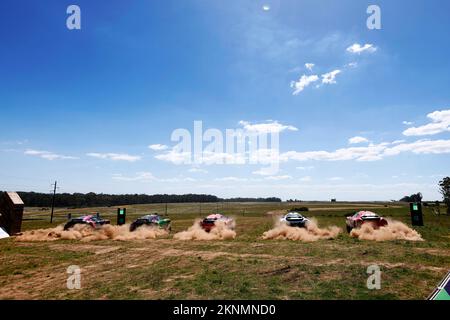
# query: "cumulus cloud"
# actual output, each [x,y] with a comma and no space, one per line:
[158,147]
[148,176]
[114,156]
[440,122]
[302,83]
[309,66]
[420,147]
[198,170]
[140,176]
[357,140]
[47,155]
[278,178]
[233,179]
[267,127]
[206,157]
[263,172]
[408,123]
[330,77]
[175,156]
[372,152]
[305,168]
[358,49]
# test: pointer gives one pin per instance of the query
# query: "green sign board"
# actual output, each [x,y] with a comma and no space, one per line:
[121,216]
[416,214]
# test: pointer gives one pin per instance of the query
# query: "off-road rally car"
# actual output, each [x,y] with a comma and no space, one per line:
[359,218]
[153,220]
[93,220]
[210,221]
[294,219]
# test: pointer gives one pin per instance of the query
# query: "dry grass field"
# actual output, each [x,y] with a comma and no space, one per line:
[246,267]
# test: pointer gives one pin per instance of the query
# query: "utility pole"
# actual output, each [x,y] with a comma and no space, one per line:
[53,201]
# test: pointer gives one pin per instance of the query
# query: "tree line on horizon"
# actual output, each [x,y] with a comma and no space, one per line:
[91,199]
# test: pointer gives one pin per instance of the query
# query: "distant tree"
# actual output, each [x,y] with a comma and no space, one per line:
[412,198]
[445,191]
[80,200]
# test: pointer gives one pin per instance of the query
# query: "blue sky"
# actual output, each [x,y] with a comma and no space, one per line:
[83,106]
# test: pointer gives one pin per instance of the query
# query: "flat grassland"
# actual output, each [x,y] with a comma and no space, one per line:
[244,268]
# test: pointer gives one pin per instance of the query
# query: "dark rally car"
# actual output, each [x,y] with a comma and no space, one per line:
[93,220]
[210,221]
[295,219]
[152,220]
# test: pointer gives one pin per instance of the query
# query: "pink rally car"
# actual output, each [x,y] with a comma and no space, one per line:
[359,218]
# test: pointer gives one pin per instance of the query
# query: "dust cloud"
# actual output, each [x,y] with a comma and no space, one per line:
[311,233]
[220,232]
[86,233]
[395,230]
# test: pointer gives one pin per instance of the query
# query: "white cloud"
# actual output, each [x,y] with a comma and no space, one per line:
[47,155]
[266,7]
[440,122]
[263,172]
[330,77]
[140,176]
[175,157]
[358,49]
[408,123]
[306,179]
[356,140]
[336,179]
[305,168]
[148,176]
[172,180]
[372,152]
[352,65]
[207,157]
[158,147]
[420,147]
[278,178]
[234,179]
[268,127]
[114,156]
[309,66]
[368,153]
[302,83]
[198,170]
